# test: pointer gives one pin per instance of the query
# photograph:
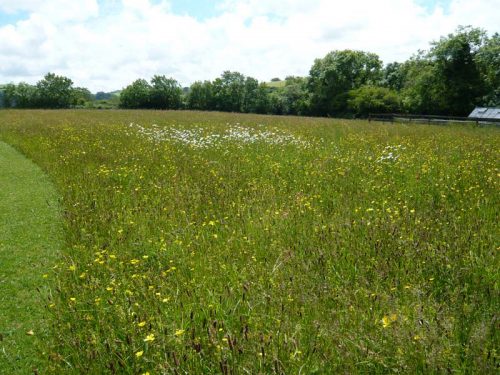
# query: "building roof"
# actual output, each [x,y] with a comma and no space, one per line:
[486,113]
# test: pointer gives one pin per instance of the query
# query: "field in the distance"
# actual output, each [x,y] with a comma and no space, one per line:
[230,243]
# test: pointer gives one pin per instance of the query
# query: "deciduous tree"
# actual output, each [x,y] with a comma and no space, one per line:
[373,99]
[165,93]
[54,91]
[136,95]
[331,77]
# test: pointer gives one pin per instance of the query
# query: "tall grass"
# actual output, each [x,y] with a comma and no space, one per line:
[224,243]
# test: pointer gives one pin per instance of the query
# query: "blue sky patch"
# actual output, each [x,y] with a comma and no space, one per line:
[199,9]
[431,4]
[12,18]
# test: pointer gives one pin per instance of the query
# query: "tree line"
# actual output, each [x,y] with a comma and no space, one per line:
[457,73]
[52,91]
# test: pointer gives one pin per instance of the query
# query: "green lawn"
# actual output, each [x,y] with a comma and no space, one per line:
[30,239]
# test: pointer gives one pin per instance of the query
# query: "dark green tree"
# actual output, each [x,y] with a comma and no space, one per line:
[22,95]
[54,91]
[81,96]
[423,88]
[394,76]
[2,94]
[256,96]
[229,92]
[201,96]
[9,95]
[136,95]
[331,77]
[276,102]
[447,79]
[296,99]
[457,71]
[487,59]
[165,93]
[373,99]
[261,102]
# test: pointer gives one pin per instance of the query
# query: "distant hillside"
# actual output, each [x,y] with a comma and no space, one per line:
[276,84]
[107,95]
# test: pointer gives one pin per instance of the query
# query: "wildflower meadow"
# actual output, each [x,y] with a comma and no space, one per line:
[211,243]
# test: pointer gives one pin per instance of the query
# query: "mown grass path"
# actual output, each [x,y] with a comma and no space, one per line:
[30,238]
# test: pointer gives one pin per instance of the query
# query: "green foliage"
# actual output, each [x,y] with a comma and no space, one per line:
[456,69]
[296,98]
[136,95]
[166,93]
[54,91]
[373,99]
[394,76]
[454,76]
[22,95]
[255,99]
[488,60]
[251,95]
[291,97]
[162,93]
[232,92]
[81,97]
[337,73]
[423,89]
[2,94]
[276,102]
[201,96]
[229,92]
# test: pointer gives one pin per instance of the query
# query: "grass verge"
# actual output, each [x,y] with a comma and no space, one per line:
[30,237]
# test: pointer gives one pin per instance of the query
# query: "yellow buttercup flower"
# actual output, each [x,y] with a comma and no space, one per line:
[388,320]
[149,338]
[179,332]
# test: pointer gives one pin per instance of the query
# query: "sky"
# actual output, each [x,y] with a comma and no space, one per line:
[104,45]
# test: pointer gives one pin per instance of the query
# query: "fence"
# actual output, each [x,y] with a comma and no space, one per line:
[393,117]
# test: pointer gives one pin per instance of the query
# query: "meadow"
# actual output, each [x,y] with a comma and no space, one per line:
[241,244]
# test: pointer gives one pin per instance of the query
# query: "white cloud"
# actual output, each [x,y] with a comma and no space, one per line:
[54,10]
[106,47]
[18,5]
